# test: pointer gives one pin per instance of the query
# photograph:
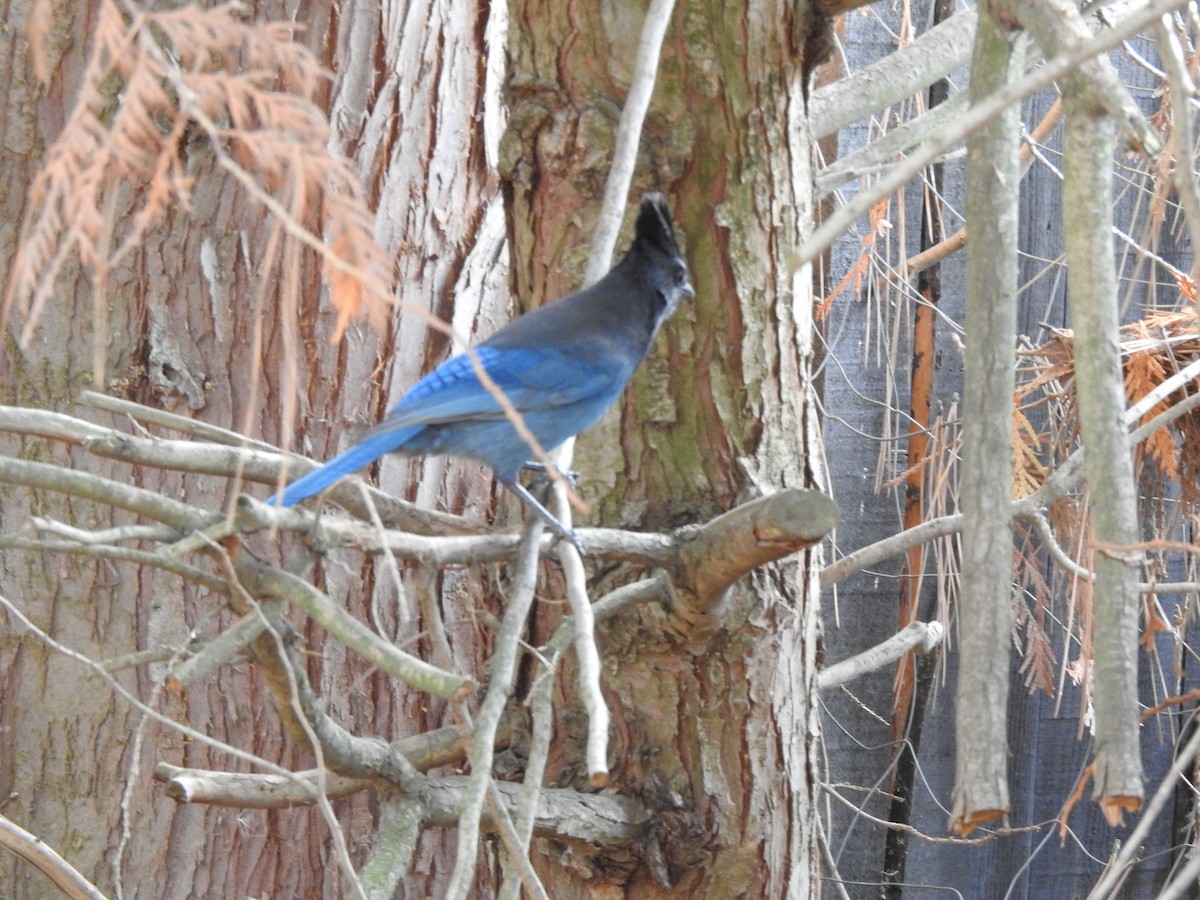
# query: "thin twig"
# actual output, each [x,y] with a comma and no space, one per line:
[629,132]
[503,672]
[117,688]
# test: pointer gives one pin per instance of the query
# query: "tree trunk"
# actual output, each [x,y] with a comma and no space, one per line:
[713,727]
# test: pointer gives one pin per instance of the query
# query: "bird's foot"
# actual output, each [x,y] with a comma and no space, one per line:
[561,531]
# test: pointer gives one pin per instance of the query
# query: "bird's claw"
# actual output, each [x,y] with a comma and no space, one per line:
[569,535]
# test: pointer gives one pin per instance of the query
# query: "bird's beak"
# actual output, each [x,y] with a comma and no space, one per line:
[689,291]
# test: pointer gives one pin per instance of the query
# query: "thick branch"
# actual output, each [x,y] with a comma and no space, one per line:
[283,668]
[216,653]
[38,854]
[1093,298]
[985,598]
[217,453]
[431,750]
[605,819]
[1058,26]
[47,477]
[882,152]
[935,54]
[395,843]
[751,535]
[974,118]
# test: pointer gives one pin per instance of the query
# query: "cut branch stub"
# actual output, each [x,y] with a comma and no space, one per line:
[717,554]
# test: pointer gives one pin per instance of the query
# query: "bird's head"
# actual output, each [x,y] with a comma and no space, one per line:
[655,245]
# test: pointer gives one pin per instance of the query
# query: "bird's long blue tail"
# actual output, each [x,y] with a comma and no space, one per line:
[351,460]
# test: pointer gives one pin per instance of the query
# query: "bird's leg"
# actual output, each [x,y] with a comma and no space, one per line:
[545,472]
[561,530]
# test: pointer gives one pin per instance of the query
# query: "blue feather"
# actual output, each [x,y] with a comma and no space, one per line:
[361,454]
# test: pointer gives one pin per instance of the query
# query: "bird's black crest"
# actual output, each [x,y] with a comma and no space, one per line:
[654,228]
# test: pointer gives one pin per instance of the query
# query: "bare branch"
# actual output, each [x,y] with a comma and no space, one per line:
[262,580]
[44,476]
[985,598]
[629,132]
[37,853]
[606,819]
[503,671]
[751,535]
[1134,845]
[395,842]
[117,688]
[431,750]
[1183,94]
[916,636]
[596,754]
[191,427]
[119,554]
[973,118]
[220,651]
[1100,395]
[933,55]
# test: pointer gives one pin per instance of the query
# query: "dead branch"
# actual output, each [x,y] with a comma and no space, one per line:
[605,819]
[431,750]
[263,581]
[985,604]
[1057,25]
[916,636]
[754,534]
[974,118]
[1100,396]
[37,853]
[503,672]
[933,55]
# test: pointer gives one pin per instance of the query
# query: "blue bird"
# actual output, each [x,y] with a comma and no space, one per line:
[561,366]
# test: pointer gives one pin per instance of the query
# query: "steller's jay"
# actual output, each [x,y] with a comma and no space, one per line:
[561,366]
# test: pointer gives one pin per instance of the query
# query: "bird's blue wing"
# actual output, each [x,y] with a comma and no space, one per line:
[535,380]
[531,379]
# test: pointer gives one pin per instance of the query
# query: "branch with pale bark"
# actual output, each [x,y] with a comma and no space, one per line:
[933,55]
[1087,213]
[985,600]
[919,637]
[33,850]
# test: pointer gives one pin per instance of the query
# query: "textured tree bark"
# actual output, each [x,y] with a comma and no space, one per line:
[713,725]
[180,317]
